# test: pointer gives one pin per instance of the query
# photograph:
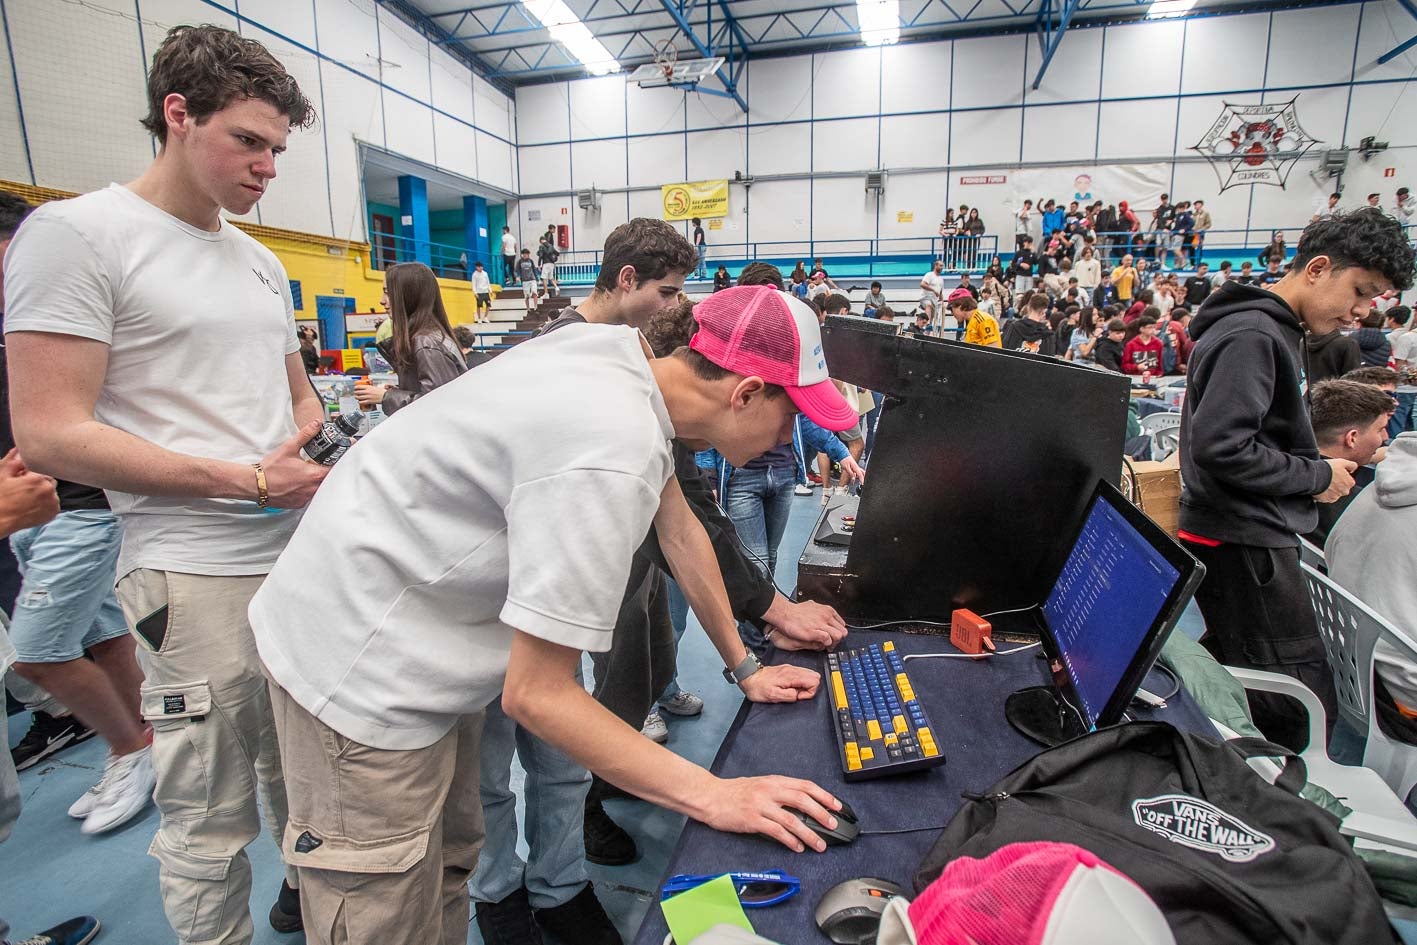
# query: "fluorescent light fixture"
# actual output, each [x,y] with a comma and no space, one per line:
[880,21]
[1165,9]
[567,29]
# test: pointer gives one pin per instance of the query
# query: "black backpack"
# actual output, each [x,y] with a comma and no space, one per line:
[1227,856]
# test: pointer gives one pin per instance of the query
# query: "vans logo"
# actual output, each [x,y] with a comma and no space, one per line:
[1194,823]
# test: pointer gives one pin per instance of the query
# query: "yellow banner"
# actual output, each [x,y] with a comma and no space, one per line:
[703,199]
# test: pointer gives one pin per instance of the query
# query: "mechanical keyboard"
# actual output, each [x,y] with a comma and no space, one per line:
[881,728]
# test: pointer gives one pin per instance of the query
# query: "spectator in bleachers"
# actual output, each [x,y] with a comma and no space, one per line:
[1106,292]
[966,284]
[1142,354]
[1085,336]
[467,344]
[1370,552]
[1404,360]
[1163,220]
[798,269]
[1198,286]
[932,290]
[1178,330]
[1350,422]
[1246,275]
[1053,218]
[987,303]
[973,224]
[721,278]
[1089,271]
[1022,266]
[1384,379]
[1023,224]
[1128,224]
[1143,301]
[1404,207]
[1375,200]
[919,326]
[1273,272]
[820,270]
[1107,353]
[996,269]
[996,290]
[1183,227]
[1126,279]
[1372,342]
[1203,225]
[762,273]
[799,282]
[1327,209]
[1031,331]
[1275,248]
[875,299]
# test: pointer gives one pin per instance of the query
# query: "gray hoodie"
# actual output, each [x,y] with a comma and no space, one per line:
[1372,552]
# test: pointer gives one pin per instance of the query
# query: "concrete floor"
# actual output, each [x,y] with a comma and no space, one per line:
[49,871]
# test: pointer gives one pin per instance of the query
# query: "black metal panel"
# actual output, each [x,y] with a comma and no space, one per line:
[983,464]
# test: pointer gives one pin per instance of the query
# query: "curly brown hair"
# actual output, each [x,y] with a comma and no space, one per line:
[210,67]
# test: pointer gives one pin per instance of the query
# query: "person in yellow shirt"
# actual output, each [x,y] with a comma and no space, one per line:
[979,327]
[1125,278]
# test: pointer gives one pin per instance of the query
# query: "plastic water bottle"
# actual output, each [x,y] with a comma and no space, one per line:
[348,406]
[373,418]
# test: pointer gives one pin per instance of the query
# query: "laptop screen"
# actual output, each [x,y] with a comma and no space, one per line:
[1113,603]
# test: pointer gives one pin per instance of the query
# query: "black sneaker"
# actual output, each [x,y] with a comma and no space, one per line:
[508,922]
[46,736]
[581,920]
[285,914]
[78,931]
[606,842]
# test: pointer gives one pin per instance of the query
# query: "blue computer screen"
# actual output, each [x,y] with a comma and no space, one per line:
[1106,599]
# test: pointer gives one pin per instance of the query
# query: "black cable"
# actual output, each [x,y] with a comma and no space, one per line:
[1175,685]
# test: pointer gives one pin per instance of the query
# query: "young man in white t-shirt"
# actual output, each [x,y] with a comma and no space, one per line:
[482,289]
[509,255]
[118,305]
[493,576]
[932,290]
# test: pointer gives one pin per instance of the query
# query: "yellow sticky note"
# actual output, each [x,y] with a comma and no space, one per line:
[692,913]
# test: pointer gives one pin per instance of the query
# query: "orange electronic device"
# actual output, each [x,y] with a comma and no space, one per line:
[971,632]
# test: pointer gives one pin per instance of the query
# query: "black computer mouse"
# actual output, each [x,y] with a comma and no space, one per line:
[850,912]
[846,826]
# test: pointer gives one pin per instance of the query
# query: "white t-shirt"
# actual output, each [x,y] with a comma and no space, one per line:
[509,244]
[198,326]
[391,612]
[1405,349]
[481,283]
[933,284]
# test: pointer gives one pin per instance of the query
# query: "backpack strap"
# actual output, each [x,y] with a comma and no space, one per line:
[1292,777]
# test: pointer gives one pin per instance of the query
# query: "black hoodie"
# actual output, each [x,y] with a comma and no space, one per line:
[1332,355]
[1249,462]
[1021,330]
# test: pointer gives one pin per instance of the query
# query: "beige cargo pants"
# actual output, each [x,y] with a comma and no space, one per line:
[385,841]
[214,746]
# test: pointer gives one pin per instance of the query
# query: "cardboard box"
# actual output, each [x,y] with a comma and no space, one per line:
[1158,493]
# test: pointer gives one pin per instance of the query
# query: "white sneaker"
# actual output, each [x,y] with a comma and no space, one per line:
[827,494]
[128,782]
[801,489]
[682,703]
[85,804]
[654,728]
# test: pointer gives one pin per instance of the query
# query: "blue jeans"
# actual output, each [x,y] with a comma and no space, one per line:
[66,602]
[702,271]
[759,502]
[679,619]
[555,812]
[1401,419]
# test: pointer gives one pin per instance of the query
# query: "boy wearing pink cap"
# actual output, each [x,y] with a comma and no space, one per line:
[479,552]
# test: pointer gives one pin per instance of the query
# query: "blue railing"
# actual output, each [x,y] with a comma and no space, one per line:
[447,261]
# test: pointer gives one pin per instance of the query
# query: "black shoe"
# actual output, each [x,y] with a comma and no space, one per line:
[78,931]
[285,914]
[606,842]
[46,736]
[508,922]
[581,920]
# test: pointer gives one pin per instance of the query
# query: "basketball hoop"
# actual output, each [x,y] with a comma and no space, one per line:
[665,57]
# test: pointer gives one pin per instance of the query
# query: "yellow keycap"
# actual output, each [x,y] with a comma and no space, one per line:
[925,735]
[929,749]
[902,682]
[868,753]
[887,647]
[891,740]
[899,724]
[853,757]
[873,728]
[839,690]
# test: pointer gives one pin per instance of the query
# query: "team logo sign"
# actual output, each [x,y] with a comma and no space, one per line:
[1255,144]
[1199,825]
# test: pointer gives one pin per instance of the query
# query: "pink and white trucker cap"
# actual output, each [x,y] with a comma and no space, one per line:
[761,332]
[1036,894]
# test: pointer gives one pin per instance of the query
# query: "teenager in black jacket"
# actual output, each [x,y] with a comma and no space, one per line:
[1249,462]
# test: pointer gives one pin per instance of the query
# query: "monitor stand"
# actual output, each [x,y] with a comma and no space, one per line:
[1039,713]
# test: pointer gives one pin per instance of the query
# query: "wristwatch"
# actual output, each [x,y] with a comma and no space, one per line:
[739,674]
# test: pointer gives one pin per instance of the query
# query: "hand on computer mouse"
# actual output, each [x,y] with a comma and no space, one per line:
[768,805]
[781,683]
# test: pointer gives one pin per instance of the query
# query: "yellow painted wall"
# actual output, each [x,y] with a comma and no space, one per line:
[322,265]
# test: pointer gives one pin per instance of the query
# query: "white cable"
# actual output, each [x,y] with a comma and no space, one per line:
[969,656]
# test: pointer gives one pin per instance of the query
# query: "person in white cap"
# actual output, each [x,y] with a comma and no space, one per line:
[495,553]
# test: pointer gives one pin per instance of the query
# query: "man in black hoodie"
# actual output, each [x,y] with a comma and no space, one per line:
[1031,332]
[1332,354]
[1249,462]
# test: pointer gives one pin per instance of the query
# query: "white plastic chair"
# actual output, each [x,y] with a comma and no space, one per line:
[1154,423]
[1170,380]
[1379,819]
[1350,630]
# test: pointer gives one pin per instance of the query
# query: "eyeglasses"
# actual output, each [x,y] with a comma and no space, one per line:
[755,890]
